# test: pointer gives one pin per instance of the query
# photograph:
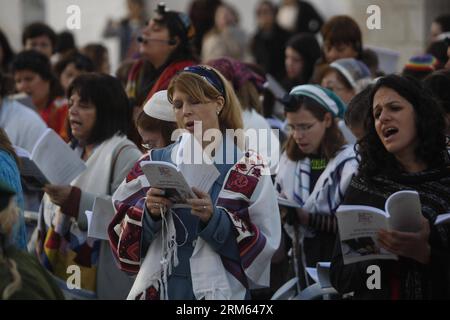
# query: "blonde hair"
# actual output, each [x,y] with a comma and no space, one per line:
[8,218]
[230,117]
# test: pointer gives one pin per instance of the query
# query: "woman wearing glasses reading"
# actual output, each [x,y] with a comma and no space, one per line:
[315,168]
[221,247]
[156,122]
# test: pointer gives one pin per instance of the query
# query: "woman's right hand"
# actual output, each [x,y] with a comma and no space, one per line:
[155,200]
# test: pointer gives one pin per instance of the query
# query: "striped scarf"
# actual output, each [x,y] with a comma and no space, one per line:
[302,181]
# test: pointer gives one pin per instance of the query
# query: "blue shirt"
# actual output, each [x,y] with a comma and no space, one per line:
[9,174]
[218,233]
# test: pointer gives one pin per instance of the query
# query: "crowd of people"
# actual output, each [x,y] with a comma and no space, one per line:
[342,133]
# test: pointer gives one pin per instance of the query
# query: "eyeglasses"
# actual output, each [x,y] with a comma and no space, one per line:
[303,128]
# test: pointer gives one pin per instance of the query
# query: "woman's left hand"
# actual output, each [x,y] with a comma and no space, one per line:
[201,207]
[412,245]
[58,194]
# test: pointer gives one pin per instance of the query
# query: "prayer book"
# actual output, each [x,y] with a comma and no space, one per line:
[99,218]
[358,225]
[177,182]
[52,161]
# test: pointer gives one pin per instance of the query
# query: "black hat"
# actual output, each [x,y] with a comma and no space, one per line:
[5,195]
[178,23]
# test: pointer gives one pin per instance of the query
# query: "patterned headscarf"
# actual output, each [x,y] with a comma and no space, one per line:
[353,70]
[237,72]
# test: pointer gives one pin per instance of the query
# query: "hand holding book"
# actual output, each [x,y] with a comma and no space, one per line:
[201,207]
[368,233]
[156,201]
[58,194]
[177,184]
[412,245]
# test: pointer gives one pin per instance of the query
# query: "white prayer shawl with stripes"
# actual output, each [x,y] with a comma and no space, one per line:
[293,181]
[210,278]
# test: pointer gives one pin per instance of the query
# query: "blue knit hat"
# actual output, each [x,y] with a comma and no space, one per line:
[327,98]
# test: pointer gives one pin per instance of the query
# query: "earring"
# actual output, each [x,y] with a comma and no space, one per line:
[218,112]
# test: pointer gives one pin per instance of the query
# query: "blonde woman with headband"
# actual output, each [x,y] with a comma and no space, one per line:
[221,247]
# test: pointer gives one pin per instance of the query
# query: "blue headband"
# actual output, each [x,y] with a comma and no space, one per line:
[209,75]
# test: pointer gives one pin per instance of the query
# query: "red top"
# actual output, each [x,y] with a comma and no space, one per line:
[55,116]
[164,79]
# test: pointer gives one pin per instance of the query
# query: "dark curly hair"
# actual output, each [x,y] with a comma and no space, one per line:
[430,125]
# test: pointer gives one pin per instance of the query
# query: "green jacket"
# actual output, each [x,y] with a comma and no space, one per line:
[37,283]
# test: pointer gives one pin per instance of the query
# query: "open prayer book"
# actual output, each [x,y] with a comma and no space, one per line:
[51,161]
[358,225]
[99,218]
[178,181]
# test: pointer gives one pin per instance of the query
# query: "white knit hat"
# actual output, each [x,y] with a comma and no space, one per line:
[159,107]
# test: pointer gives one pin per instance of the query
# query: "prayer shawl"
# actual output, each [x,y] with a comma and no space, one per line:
[330,188]
[405,278]
[249,199]
[327,194]
[57,227]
